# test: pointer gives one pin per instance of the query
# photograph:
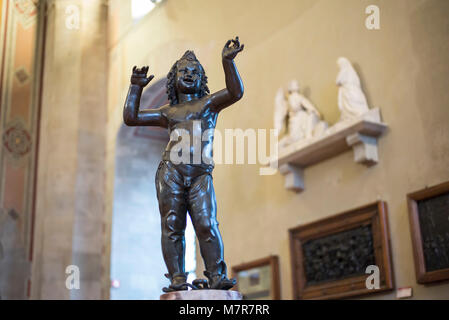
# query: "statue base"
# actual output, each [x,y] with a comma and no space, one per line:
[203,294]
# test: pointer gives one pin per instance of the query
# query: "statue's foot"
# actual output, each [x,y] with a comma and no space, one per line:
[223,284]
[220,282]
[178,287]
[199,284]
[178,282]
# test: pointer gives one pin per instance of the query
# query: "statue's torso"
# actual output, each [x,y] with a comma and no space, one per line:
[191,125]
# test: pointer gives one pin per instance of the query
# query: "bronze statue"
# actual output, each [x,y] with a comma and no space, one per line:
[186,186]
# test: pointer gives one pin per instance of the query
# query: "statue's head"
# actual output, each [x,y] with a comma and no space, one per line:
[186,76]
[343,62]
[293,86]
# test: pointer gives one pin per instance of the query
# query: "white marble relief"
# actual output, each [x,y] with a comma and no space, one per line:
[306,140]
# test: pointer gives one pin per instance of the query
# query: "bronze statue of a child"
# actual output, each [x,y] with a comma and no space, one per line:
[187,186]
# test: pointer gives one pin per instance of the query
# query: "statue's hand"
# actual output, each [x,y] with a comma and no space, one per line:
[230,52]
[139,76]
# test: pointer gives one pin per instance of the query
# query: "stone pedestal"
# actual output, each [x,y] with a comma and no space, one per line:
[204,294]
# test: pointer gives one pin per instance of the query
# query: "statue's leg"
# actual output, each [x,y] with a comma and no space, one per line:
[202,208]
[173,209]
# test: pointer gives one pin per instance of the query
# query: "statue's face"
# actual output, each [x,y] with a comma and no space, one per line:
[188,77]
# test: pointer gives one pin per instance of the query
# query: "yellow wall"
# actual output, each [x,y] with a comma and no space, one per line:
[404,71]
[70,216]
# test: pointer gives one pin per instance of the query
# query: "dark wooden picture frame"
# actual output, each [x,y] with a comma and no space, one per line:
[273,262]
[372,220]
[423,274]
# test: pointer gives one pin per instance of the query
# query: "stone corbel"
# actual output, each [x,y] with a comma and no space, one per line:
[364,147]
[294,177]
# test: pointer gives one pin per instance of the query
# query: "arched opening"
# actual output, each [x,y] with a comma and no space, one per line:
[137,265]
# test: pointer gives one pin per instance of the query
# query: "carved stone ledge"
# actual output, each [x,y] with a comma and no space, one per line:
[360,134]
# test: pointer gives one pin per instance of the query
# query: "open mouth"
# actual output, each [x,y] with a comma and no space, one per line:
[187,80]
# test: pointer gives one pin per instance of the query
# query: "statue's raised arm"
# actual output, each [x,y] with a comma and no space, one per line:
[234,86]
[131,114]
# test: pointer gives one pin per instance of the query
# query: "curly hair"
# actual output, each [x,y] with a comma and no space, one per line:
[171,78]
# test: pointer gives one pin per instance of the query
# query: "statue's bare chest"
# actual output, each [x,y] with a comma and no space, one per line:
[183,115]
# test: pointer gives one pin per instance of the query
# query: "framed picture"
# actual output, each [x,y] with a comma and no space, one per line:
[336,257]
[258,280]
[429,225]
